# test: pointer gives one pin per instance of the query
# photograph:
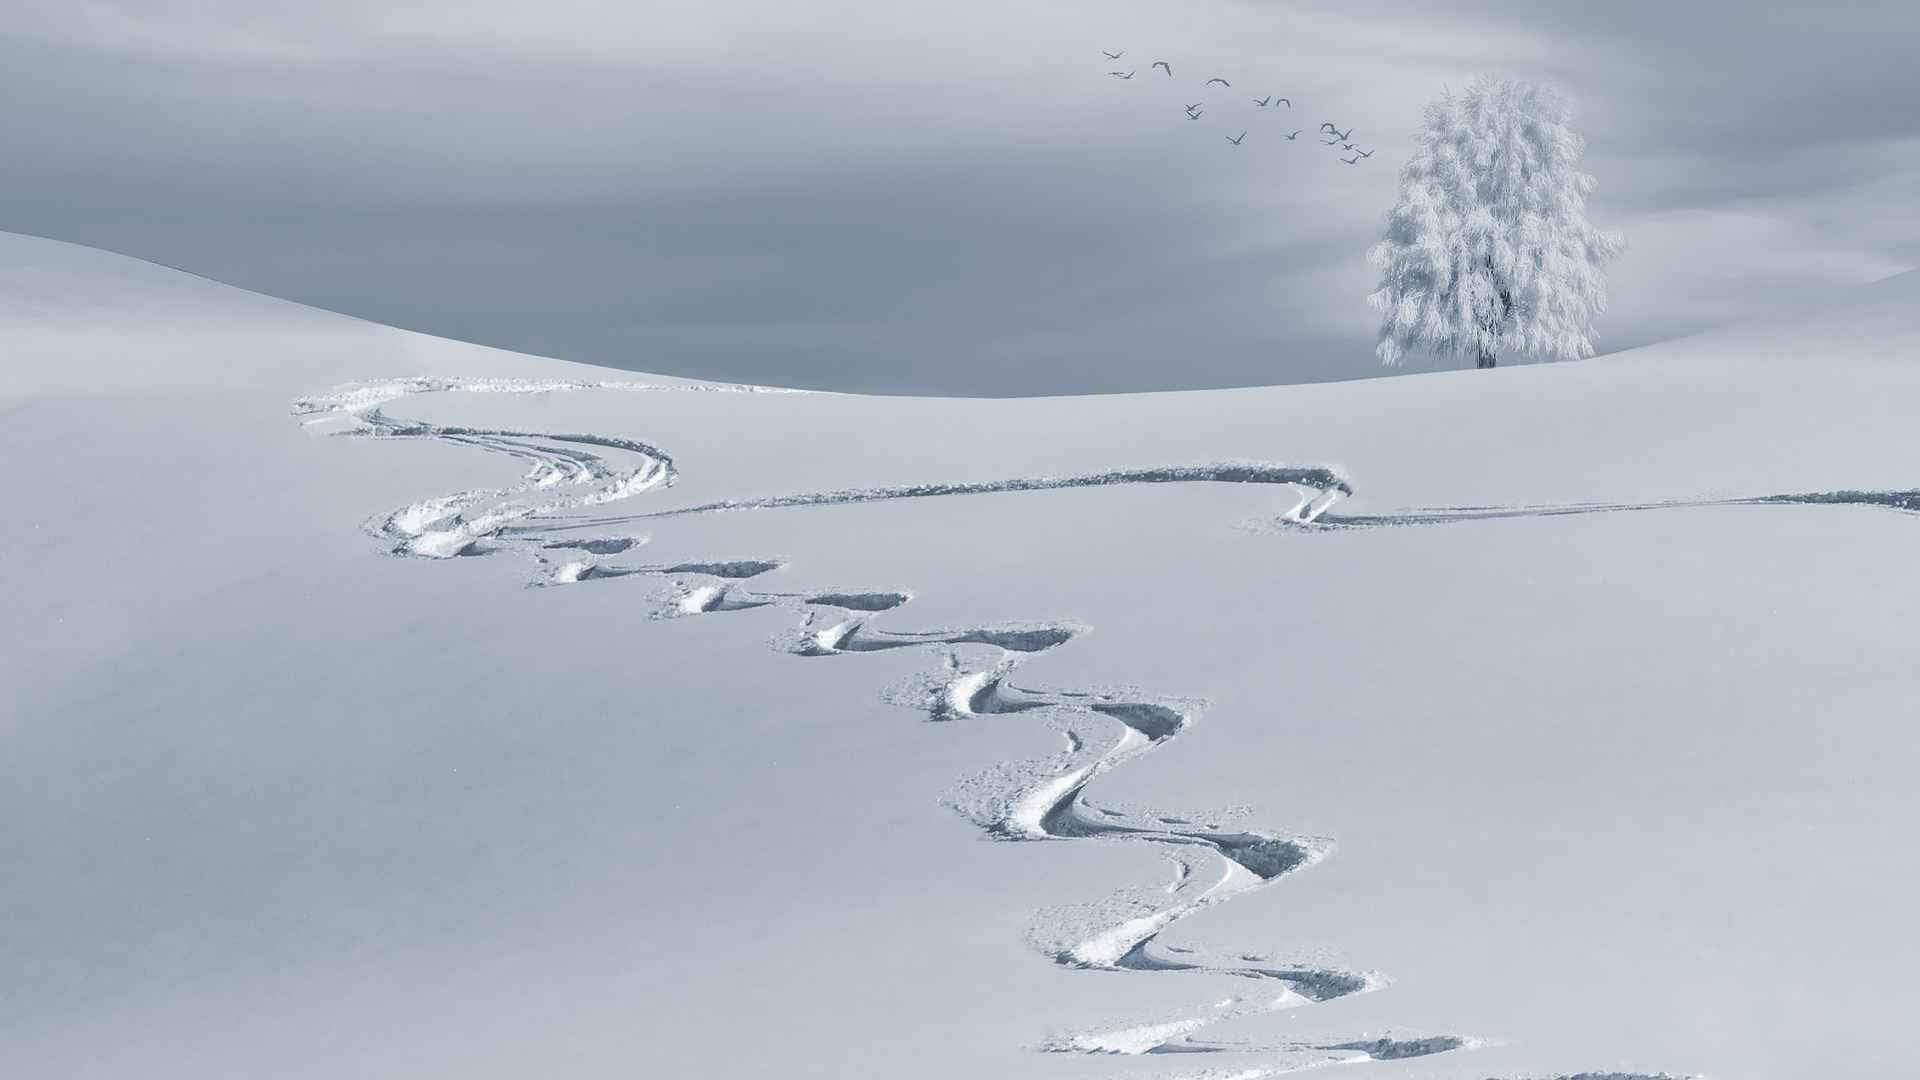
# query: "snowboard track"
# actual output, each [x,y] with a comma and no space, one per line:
[1034,800]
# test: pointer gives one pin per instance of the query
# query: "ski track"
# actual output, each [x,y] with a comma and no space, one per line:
[1039,799]
[1907,502]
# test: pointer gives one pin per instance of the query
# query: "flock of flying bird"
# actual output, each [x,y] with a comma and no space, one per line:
[1333,136]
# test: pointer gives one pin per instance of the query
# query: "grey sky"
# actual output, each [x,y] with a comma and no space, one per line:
[906,196]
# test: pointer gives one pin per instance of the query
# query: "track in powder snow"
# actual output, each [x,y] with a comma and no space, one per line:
[1041,799]
[1901,501]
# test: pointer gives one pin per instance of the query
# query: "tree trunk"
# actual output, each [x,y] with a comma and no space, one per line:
[1506,309]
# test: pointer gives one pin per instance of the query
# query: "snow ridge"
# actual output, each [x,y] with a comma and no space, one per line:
[1037,800]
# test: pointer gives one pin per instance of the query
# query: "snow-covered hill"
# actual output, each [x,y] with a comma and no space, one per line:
[1571,734]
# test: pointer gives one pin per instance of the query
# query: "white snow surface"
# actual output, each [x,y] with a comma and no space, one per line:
[1600,677]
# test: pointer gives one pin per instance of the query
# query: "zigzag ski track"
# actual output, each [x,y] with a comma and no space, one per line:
[1042,799]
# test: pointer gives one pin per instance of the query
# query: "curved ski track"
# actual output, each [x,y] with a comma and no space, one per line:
[1041,799]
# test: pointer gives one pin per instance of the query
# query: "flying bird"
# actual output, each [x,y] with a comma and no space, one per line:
[1363,153]
[1285,101]
[1344,135]
[1236,140]
[1121,74]
[1163,64]
[1114,55]
[1263,102]
[1354,160]
[1324,126]
[1293,136]
[1218,79]
[1196,115]
[1349,146]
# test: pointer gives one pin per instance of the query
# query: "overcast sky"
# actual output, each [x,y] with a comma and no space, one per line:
[950,198]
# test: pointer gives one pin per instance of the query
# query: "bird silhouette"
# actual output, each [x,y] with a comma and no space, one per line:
[1334,136]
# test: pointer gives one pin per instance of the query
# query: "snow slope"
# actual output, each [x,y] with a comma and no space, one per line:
[1569,734]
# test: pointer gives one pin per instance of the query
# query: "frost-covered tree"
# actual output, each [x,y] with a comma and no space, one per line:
[1489,251]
